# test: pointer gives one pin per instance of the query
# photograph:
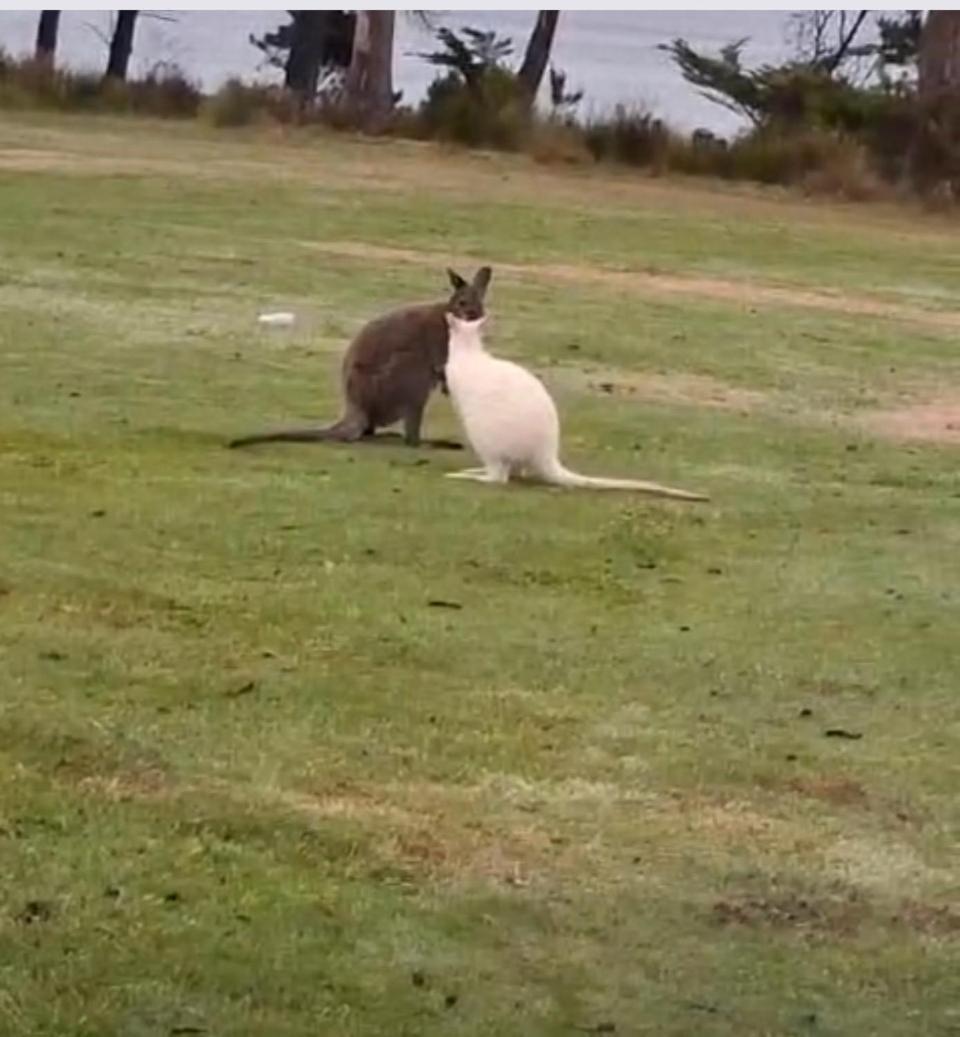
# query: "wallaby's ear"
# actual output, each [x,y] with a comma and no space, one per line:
[455,279]
[482,280]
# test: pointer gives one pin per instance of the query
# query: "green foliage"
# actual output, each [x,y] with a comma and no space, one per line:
[881,128]
[794,95]
[721,79]
[165,91]
[489,112]
[471,55]
[561,99]
[479,102]
[810,90]
[819,161]
[239,104]
[631,135]
[899,45]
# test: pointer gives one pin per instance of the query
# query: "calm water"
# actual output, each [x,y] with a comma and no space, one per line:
[612,55]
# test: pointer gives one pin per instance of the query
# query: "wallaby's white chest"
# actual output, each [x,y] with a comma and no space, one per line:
[507,414]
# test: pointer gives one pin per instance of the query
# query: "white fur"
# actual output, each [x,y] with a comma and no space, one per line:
[511,421]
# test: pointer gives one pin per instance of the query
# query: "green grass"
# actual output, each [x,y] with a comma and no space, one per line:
[253,783]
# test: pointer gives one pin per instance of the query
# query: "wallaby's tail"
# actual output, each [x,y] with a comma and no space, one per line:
[346,430]
[560,476]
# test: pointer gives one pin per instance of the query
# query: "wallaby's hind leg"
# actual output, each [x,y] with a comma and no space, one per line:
[492,473]
[388,438]
[412,421]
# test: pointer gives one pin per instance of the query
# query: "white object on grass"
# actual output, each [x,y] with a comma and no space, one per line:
[277,320]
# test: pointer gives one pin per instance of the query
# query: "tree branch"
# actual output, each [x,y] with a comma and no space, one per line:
[833,62]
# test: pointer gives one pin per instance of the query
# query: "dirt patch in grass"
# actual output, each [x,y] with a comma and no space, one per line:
[506,831]
[129,785]
[836,791]
[930,919]
[430,831]
[454,851]
[673,388]
[747,294]
[347,801]
[886,866]
[936,421]
[85,757]
[840,915]
[828,916]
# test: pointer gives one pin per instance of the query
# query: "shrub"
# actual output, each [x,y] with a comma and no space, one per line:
[631,136]
[557,140]
[31,84]
[164,92]
[845,170]
[776,157]
[489,112]
[239,104]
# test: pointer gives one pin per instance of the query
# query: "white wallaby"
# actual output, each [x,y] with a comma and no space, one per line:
[511,421]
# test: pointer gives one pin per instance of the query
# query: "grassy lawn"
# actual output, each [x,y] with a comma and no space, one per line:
[310,740]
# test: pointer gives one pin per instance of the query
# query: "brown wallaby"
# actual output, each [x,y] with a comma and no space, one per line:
[390,369]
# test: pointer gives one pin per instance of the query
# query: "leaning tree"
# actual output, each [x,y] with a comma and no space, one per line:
[121,45]
[47,30]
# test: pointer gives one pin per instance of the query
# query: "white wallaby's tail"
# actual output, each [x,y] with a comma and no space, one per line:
[560,476]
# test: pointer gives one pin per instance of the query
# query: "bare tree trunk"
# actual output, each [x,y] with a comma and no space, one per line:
[47,38]
[939,63]
[121,45]
[538,53]
[302,70]
[931,158]
[369,83]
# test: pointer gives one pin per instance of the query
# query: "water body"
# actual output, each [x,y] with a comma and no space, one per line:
[613,56]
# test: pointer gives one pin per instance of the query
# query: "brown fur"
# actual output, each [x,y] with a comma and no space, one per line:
[390,369]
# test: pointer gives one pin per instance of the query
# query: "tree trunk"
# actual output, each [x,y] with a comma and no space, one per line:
[369,83]
[538,53]
[47,38]
[318,40]
[121,45]
[302,70]
[939,62]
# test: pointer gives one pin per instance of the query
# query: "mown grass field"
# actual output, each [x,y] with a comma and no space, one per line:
[647,768]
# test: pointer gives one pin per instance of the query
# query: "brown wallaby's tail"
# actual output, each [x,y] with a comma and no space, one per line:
[346,430]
